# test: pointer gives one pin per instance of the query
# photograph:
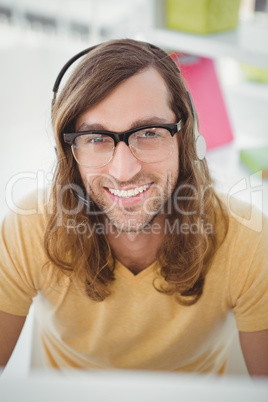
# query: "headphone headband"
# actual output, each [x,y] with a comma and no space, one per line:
[65,68]
[68,64]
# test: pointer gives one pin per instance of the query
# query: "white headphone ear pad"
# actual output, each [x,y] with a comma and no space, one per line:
[201,147]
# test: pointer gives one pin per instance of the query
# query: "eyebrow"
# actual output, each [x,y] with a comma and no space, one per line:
[139,123]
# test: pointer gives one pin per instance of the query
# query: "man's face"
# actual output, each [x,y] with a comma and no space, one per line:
[140,100]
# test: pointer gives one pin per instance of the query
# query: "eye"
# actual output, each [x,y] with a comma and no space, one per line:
[151,133]
[92,139]
[95,140]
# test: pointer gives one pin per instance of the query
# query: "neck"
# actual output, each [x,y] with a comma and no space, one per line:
[137,250]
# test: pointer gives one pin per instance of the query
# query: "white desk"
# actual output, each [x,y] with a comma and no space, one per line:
[131,386]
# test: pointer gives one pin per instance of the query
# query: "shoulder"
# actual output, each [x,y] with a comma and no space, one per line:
[245,248]
[30,212]
[22,254]
[23,228]
[247,223]
[243,255]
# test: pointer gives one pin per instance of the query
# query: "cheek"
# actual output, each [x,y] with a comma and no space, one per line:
[83,174]
[172,163]
[172,167]
[88,176]
[176,154]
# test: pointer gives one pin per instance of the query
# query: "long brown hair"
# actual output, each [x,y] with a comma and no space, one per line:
[183,257]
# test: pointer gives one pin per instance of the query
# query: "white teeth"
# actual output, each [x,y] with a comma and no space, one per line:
[129,193]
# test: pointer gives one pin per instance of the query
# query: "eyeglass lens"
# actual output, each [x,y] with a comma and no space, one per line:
[149,145]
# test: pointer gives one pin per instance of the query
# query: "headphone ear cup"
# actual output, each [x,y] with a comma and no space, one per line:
[200,142]
[200,146]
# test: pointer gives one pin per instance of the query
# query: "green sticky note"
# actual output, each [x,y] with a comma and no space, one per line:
[202,16]
[256,159]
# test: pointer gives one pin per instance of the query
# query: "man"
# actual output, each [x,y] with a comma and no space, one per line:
[134,262]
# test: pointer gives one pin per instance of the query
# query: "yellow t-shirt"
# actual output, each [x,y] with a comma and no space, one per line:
[136,327]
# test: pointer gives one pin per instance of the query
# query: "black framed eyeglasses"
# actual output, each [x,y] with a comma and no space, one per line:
[150,144]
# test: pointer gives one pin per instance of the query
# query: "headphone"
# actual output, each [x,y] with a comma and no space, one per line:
[200,143]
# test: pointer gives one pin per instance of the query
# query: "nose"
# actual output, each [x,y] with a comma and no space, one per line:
[124,165]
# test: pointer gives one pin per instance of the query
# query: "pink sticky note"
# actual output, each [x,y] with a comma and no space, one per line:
[201,80]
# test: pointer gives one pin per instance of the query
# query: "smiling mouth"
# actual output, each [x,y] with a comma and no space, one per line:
[129,193]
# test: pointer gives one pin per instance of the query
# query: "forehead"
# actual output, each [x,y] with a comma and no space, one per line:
[140,97]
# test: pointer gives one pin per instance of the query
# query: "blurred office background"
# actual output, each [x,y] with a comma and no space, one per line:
[38,37]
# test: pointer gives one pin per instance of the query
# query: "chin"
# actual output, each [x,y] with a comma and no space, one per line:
[132,225]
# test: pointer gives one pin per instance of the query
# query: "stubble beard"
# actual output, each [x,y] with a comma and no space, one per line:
[133,219]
